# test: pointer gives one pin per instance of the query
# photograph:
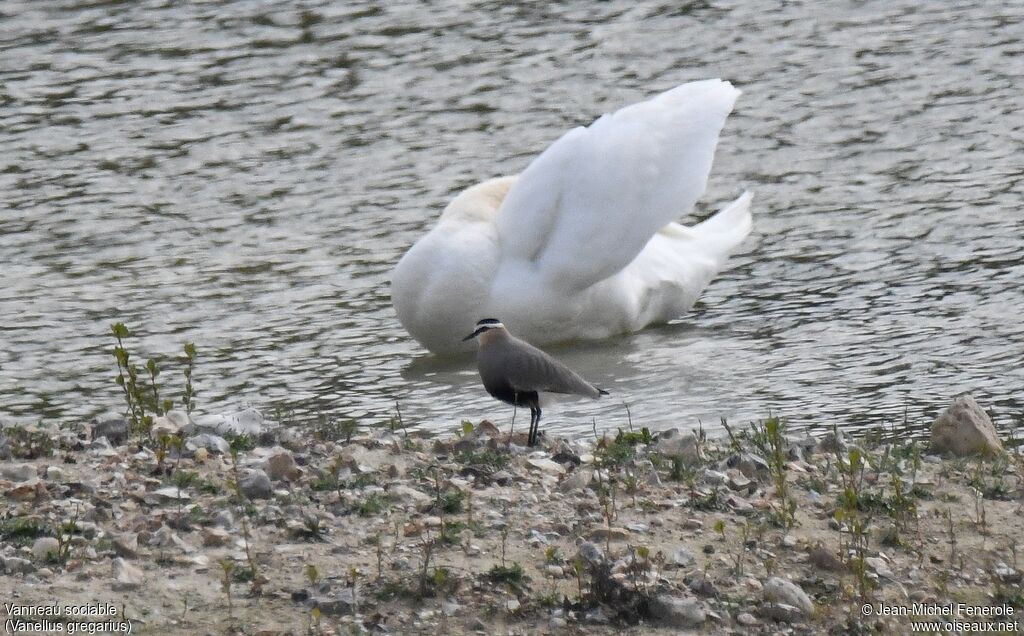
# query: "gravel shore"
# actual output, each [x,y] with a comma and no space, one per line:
[235,525]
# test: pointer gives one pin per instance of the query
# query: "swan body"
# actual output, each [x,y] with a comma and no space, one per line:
[583,244]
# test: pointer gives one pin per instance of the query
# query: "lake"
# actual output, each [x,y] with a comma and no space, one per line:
[244,175]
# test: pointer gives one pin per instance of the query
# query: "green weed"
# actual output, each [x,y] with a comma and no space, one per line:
[23,530]
[770,440]
[139,385]
[374,504]
[511,575]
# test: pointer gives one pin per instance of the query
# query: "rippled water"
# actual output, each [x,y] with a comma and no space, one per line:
[244,175]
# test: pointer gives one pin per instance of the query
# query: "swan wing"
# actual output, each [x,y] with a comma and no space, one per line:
[584,208]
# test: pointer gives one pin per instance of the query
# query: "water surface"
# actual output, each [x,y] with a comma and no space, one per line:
[244,175]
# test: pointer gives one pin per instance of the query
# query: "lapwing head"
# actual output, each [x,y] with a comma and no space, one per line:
[485,325]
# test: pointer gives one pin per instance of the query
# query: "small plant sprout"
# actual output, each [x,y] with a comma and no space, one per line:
[577,570]
[553,556]
[427,549]
[734,443]
[513,575]
[770,440]
[741,550]
[378,544]
[349,426]
[353,580]
[395,422]
[128,379]
[440,503]
[257,580]
[851,469]
[183,479]
[188,396]
[227,566]
[143,402]
[504,541]
[639,566]
[632,485]
[63,533]
[952,535]
[314,617]
[720,527]
[312,527]
[608,511]
[659,564]
[440,578]
[161,407]
[312,574]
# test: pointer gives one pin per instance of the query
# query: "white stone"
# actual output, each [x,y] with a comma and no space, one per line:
[255,484]
[713,477]
[245,422]
[163,426]
[747,619]
[17,472]
[1007,574]
[45,548]
[965,429]
[678,612]
[781,612]
[737,480]
[577,480]
[407,494]
[215,537]
[591,553]
[126,545]
[879,566]
[173,422]
[208,442]
[684,558]
[172,493]
[546,466]
[363,460]
[604,533]
[126,576]
[672,443]
[778,590]
[17,565]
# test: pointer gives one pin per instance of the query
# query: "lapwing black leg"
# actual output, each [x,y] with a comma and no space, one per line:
[534,425]
[537,431]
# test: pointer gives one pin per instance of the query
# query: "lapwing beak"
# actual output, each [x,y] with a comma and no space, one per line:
[471,336]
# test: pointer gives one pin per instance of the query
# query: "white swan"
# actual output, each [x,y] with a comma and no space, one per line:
[582,244]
